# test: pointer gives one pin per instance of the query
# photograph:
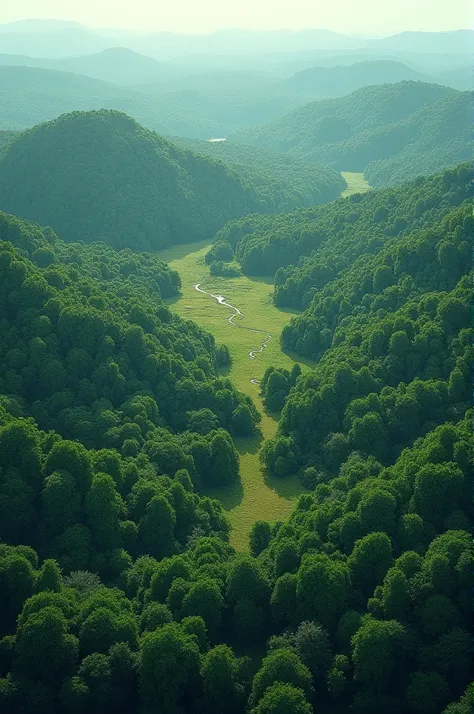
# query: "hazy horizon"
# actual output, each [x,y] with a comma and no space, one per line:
[368,18]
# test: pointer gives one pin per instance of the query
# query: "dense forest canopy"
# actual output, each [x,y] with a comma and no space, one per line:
[392,132]
[119,590]
[126,186]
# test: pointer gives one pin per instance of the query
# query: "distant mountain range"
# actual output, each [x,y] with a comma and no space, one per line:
[176,99]
[53,38]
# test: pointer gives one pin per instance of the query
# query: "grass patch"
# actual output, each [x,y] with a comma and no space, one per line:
[256,496]
[356,183]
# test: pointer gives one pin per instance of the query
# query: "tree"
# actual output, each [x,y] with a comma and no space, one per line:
[45,651]
[246,580]
[282,666]
[283,698]
[49,577]
[104,506]
[219,677]
[202,421]
[16,585]
[248,621]
[427,693]
[103,628]
[154,615]
[369,561]
[168,668]
[204,599]
[438,489]
[322,588]
[260,535]
[395,595]
[61,504]
[313,647]
[224,460]
[378,649]
[156,528]
[283,602]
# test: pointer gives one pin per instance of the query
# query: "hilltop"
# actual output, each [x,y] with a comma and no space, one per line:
[100,175]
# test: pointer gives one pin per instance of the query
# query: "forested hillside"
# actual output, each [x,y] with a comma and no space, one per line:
[334,235]
[386,327]
[286,182]
[392,132]
[101,176]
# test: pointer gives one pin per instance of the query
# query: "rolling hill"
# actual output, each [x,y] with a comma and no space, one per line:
[101,176]
[410,127]
[340,80]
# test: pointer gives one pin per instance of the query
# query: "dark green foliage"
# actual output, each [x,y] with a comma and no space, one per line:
[334,236]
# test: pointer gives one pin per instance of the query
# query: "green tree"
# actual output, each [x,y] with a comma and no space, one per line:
[369,561]
[283,698]
[283,666]
[45,650]
[168,668]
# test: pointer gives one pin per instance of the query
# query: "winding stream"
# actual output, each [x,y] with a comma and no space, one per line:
[237,313]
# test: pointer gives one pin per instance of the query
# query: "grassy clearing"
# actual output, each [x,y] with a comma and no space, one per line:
[256,496]
[356,183]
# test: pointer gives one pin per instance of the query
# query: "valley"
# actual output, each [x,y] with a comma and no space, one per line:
[256,496]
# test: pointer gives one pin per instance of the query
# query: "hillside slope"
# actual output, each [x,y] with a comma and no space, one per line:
[332,120]
[99,175]
[30,95]
[417,127]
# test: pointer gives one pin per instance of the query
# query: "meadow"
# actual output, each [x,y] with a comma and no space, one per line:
[356,183]
[256,496]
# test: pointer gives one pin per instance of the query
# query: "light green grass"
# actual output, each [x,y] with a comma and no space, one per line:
[256,496]
[356,183]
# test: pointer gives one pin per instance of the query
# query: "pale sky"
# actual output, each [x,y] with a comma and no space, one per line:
[370,17]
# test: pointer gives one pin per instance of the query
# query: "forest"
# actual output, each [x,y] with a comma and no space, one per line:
[128,426]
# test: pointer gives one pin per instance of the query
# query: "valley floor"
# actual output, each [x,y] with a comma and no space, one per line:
[256,496]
